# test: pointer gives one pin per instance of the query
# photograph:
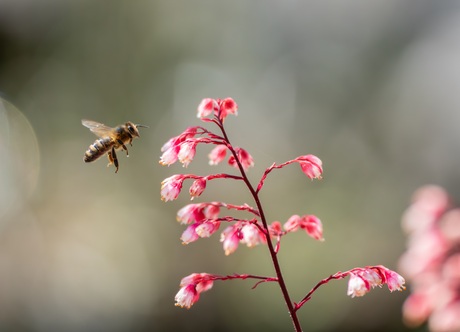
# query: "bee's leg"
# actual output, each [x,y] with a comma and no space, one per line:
[123,146]
[109,156]
[114,159]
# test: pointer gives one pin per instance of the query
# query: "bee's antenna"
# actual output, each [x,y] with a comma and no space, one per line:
[142,126]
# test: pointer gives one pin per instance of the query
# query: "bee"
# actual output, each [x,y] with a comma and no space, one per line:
[110,139]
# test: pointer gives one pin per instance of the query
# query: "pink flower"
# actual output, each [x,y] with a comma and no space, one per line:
[311,166]
[428,205]
[197,187]
[172,148]
[252,235]
[203,281]
[393,280]
[451,270]
[190,235]
[425,252]
[230,239]
[198,212]
[292,224]
[169,144]
[217,154]
[372,277]
[357,286]
[170,155]
[190,213]
[187,296]
[187,152]
[244,157]
[363,279]
[275,229]
[450,226]
[171,187]
[207,228]
[227,106]
[432,260]
[313,226]
[219,107]
[191,288]
[416,309]
[212,210]
[206,107]
[446,319]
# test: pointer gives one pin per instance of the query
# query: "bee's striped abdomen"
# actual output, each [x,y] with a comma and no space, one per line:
[100,147]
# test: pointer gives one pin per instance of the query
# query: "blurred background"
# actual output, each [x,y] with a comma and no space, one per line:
[369,87]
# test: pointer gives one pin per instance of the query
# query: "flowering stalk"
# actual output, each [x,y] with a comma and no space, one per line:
[362,280]
[270,246]
[203,219]
[432,260]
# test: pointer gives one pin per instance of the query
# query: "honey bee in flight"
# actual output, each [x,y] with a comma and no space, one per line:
[110,139]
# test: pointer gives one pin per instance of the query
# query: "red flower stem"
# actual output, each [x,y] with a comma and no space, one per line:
[268,170]
[338,275]
[243,277]
[276,265]
[223,176]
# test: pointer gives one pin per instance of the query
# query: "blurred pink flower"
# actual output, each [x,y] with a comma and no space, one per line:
[217,154]
[432,261]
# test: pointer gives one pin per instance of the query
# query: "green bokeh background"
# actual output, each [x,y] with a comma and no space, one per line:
[371,87]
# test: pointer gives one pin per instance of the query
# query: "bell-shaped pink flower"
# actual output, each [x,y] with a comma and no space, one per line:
[313,226]
[206,107]
[171,187]
[217,154]
[197,187]
[187,152]
[227,106]
[244,157]
[230,239]
[252,235]
[187,296]
[190,234]
[190,214]
[311,166]
[292,224]
[207,228]
[357,286]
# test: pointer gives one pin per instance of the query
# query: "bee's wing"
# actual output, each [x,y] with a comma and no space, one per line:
[98,129]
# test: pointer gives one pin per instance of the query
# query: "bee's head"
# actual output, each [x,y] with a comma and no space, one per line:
[132,128]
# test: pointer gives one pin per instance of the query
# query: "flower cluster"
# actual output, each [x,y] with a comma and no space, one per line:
[220,108]
[204,219]
[182,148]
[432,260]
[191,287]
[362,280]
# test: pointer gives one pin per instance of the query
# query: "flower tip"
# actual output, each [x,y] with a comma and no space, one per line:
[206,107]
[311,166]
